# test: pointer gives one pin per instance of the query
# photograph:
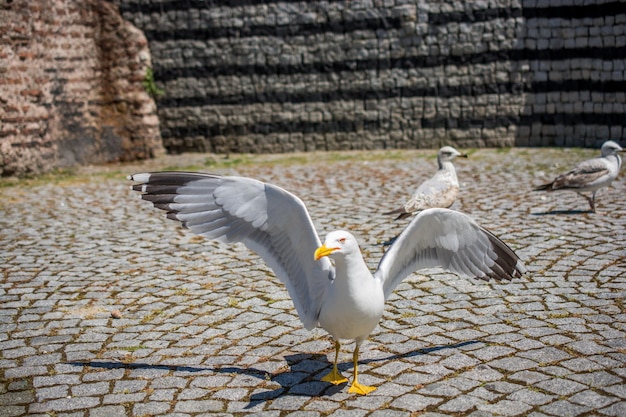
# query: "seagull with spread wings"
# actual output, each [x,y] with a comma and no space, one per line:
[590,175]
[342,296]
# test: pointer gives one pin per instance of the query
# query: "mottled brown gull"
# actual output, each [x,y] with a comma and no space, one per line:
[590,175]
[440,190]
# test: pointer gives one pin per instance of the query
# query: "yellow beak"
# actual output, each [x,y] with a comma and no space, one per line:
[323,251]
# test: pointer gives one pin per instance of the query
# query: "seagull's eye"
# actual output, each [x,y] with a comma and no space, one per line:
[342,240]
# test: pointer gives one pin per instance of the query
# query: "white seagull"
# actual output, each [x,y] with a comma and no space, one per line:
[345,299]
[438,191]
[590,175]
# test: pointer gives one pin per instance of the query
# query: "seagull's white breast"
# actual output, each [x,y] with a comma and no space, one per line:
[352,307]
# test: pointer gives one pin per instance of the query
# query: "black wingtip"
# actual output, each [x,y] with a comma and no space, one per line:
[507,264]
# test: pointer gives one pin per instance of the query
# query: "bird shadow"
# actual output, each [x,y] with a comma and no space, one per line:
[301,379]
[562,212]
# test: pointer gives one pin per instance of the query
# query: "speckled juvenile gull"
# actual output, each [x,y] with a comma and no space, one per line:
[343,297]
[590,175]
[440,190]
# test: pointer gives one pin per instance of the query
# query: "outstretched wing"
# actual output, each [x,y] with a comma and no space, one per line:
[267,219]
[451,240]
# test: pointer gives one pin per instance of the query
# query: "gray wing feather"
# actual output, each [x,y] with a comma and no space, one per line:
[267,219]
[582,175]
[449,240]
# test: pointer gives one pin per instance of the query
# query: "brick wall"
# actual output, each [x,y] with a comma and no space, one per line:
[71,89]
[270,76]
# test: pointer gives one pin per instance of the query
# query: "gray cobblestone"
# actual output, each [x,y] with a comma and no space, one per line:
[531,397]
[198,406]
[93,389]
[108,411]
[123,398]
[506,408]
[617,409]
[200,335]
[57,391]
[564,408]
[12,410]
[561,387]
[65,404]
[151,408]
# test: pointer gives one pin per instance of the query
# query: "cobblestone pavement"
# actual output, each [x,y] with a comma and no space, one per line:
[109,309]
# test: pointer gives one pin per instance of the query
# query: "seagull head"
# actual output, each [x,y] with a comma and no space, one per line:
[448,153]
[610,148]
[337,243]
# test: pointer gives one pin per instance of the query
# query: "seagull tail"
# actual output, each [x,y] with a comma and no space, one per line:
[544,187]
[401,212]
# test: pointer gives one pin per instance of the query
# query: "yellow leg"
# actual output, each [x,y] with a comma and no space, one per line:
[334,376]
[357,388]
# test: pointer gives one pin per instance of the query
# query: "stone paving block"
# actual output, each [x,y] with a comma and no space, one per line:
[393,369]
[617,409]
[560,387]
[348,413]
[546,355]
[506,408]
[13,410]
[16,397]
[393,389]
[24,371]
[93,389]
[103,375]
[65,379]
[617,389]
[511,364]
[151,408]
[198,406]
[129,386]
[503,387]
[459,361]
[485,394]
[369,403]
[108,411]
[493,352]
[163,394]
[564,408]
[57,391]
[415,402]
[588,347]
[531,397]
[389,413]
[529,377]
[192,393]
[303,414]
[592,399]
[121,398]
[460,404]
[64,404]
[289,402]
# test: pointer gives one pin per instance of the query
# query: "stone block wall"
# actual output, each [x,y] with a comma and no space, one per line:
[275,76]
[71,88]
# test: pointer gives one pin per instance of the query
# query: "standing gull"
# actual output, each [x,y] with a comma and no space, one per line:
[438,191]
[590,175]
[344,298]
